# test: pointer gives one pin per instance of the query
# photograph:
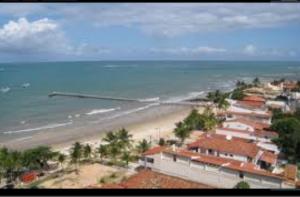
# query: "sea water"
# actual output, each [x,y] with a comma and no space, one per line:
[26,109]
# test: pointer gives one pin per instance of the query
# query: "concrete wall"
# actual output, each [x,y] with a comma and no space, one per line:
[237,125]
[209,174]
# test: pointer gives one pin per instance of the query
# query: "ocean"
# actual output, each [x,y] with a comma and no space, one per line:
[26,108]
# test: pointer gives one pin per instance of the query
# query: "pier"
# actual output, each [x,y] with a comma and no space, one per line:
[78,95]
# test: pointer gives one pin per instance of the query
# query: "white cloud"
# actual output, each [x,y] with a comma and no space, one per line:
[167,19]
[188,51]
[40,36]
[249,49]
[177,19]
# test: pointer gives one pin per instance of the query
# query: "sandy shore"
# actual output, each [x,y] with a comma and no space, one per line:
[153,128]
[155,121]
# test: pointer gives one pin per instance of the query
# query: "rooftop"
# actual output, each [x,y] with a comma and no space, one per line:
[149,179]
[254,98]
[220,143]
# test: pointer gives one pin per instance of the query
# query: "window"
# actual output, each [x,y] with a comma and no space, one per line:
[226,154]
[231,155]
[241,175]
[210,151]
[150,160]
[174,158]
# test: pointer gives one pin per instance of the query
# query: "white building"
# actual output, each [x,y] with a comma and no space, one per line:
[211,170]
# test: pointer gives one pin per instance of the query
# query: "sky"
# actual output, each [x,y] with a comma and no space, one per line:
[149,31]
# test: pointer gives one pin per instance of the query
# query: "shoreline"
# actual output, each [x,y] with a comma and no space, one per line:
[140,124]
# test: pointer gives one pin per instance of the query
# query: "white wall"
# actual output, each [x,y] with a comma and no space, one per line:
[211,175]
[238,125]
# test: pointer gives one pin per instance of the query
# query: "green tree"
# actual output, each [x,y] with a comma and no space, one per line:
[193,121]
[143,146]
[61,159]
[87,151]
[126,157]
[242,185]
[124,138]
[237,94]
[102,150]
[114,151]
[209,119]
[110,137]
[161,142]
[182,131]
[289,137]
[76,154]
[256,82]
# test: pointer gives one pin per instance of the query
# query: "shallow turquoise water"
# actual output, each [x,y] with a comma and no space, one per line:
[25,108]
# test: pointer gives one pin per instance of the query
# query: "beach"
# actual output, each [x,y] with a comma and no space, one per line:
[159,120]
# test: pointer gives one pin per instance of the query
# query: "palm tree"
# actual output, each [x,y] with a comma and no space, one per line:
[126,157]
[114,151]
[61,158]
[182,131]
[87,151]
[210,121]
[124,137]
[223,104]
[110,137]
[102,150]
[143,146]
[76,153]
[256,82]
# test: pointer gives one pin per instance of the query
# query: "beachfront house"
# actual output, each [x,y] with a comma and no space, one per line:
[216,171]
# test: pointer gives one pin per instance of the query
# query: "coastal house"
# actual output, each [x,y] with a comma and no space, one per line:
[256,112]
[278,105]
[216,171]
[148,179]
[234,148]
[251,102]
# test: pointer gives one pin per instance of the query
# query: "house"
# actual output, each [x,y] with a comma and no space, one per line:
[148,179]
[278,105]
[247,129]
[212,170]
[233,148]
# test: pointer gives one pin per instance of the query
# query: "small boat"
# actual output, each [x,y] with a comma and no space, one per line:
[25,85]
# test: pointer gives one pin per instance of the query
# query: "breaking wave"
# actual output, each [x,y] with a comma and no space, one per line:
[100,111]
[50,126]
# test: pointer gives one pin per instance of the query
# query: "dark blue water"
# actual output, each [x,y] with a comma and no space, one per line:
[23,109]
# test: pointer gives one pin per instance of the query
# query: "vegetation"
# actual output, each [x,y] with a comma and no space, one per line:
[161,142]
[143,146]
[87,151]
[289,137]
[288,127]
[76,154]
[256,82]
[14,163]
[242,185]
[195,121]
[219,99]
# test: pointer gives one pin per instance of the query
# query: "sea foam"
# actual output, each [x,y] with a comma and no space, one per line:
[100,111]
[50,126]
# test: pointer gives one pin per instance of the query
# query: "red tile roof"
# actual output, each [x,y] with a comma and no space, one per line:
[150,179]
[256,125]
[220,143]
[154,150]
[253,114]
[254,98]
[290,172]
[252,104]
[268,157]
[225,162]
